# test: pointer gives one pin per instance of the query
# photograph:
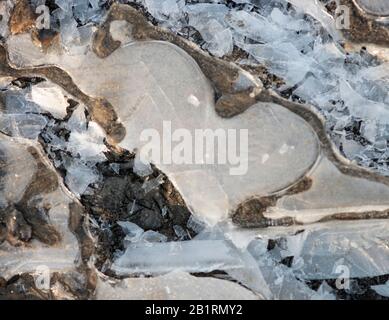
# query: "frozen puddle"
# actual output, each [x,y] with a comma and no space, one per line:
[283,174]
[35,209]
[156,109]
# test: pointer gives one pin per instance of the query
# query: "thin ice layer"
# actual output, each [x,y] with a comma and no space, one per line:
[146,101]
[18,168]
[375,7]
[173,286]
[188,256]
[291,42]
[329,186]
[356,250]
[280,150]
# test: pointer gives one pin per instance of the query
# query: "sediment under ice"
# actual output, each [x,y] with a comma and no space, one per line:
[281,148]
[281,143]
[302,45]
[19,183]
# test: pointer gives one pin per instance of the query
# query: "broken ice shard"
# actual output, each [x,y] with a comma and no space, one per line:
[359,249]
[50,98]
[189,256]
[27,126]
[79,176]
[208,20]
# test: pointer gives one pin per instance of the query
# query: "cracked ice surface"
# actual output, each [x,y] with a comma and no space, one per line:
[301,44]
[361,246]
[139,89]
[282,147]
[364,247]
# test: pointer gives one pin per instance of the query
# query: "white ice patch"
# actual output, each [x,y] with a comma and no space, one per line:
[88,144]
[50,98]
[173,286]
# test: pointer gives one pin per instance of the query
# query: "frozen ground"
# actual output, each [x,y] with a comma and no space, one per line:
[301,219]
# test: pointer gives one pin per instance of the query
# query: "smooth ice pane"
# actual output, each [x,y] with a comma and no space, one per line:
[173,286]
[149,103]
[333,192]
[376,7]
[189,256]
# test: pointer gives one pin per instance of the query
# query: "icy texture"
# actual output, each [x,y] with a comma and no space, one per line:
[301,45]
[361,246]
[210,251]
[20,117]
[208,20]
[382,290]
[73,19]
[153,98]
[89,143]
[132,231]
[85,145]
[189,256]
[18,167]
[283,283]
[152,236]
[21,125]
[376,7]
[153,184]
[316,9]
[266,135]
[50,98]
[79,176]
[321,76]
[261,271]
[319,251]
[142,168]
[281,146]
[168,12]
[332,192]
[173,286]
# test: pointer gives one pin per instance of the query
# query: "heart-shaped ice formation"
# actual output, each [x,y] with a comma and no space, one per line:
[159,91]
